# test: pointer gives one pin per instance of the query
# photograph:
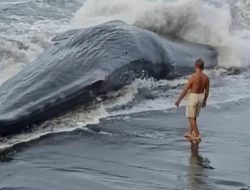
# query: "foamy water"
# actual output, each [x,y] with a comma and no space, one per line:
[24,34]
[194,20]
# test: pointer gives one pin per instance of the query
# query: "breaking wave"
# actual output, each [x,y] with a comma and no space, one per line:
[193,20]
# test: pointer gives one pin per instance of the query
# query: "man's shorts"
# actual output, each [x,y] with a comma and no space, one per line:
[194,105]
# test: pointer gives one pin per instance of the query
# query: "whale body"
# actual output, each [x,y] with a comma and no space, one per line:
[83,64]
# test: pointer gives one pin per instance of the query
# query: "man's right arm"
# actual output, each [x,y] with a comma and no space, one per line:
[184,91]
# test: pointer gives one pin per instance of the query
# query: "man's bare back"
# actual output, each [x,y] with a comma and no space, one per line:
[199,83]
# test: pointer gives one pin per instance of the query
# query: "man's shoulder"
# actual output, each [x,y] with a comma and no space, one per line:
[206,76]
[192,77]
[195,76]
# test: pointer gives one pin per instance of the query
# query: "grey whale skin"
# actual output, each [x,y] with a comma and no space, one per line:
[85,63]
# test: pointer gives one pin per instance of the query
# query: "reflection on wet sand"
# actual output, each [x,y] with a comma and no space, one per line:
[197,175]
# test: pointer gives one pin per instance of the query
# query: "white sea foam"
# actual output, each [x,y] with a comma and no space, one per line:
[26,33]
[19,49]
[77,119]
[193,20]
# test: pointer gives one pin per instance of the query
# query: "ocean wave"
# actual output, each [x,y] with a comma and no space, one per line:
[26,29]
[193,20]
[240,10]
[21,44]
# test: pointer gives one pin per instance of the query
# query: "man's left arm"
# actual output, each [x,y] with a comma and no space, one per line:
[184,92]
[206,93]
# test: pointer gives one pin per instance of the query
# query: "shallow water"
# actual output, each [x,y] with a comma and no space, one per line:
[139,151]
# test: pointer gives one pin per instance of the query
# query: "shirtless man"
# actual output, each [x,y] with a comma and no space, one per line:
[198,89]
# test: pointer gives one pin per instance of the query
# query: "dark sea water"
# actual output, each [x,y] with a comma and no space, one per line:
[133,140]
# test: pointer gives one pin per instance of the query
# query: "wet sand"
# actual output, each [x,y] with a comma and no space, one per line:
[139,151]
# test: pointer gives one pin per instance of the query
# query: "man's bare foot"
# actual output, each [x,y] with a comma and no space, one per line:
[188,134]
[195,137]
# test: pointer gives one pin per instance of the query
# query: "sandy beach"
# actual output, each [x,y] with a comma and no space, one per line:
[139,151]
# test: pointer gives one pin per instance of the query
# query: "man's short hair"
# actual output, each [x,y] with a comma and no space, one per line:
[199,63]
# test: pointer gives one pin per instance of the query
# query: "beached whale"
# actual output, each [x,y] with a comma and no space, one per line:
[85,63]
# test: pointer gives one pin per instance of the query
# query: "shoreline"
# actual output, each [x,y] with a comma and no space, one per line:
[143,150]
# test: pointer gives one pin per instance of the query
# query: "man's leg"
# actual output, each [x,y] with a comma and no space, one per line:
[194,127]
[188,134]
[190,131]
